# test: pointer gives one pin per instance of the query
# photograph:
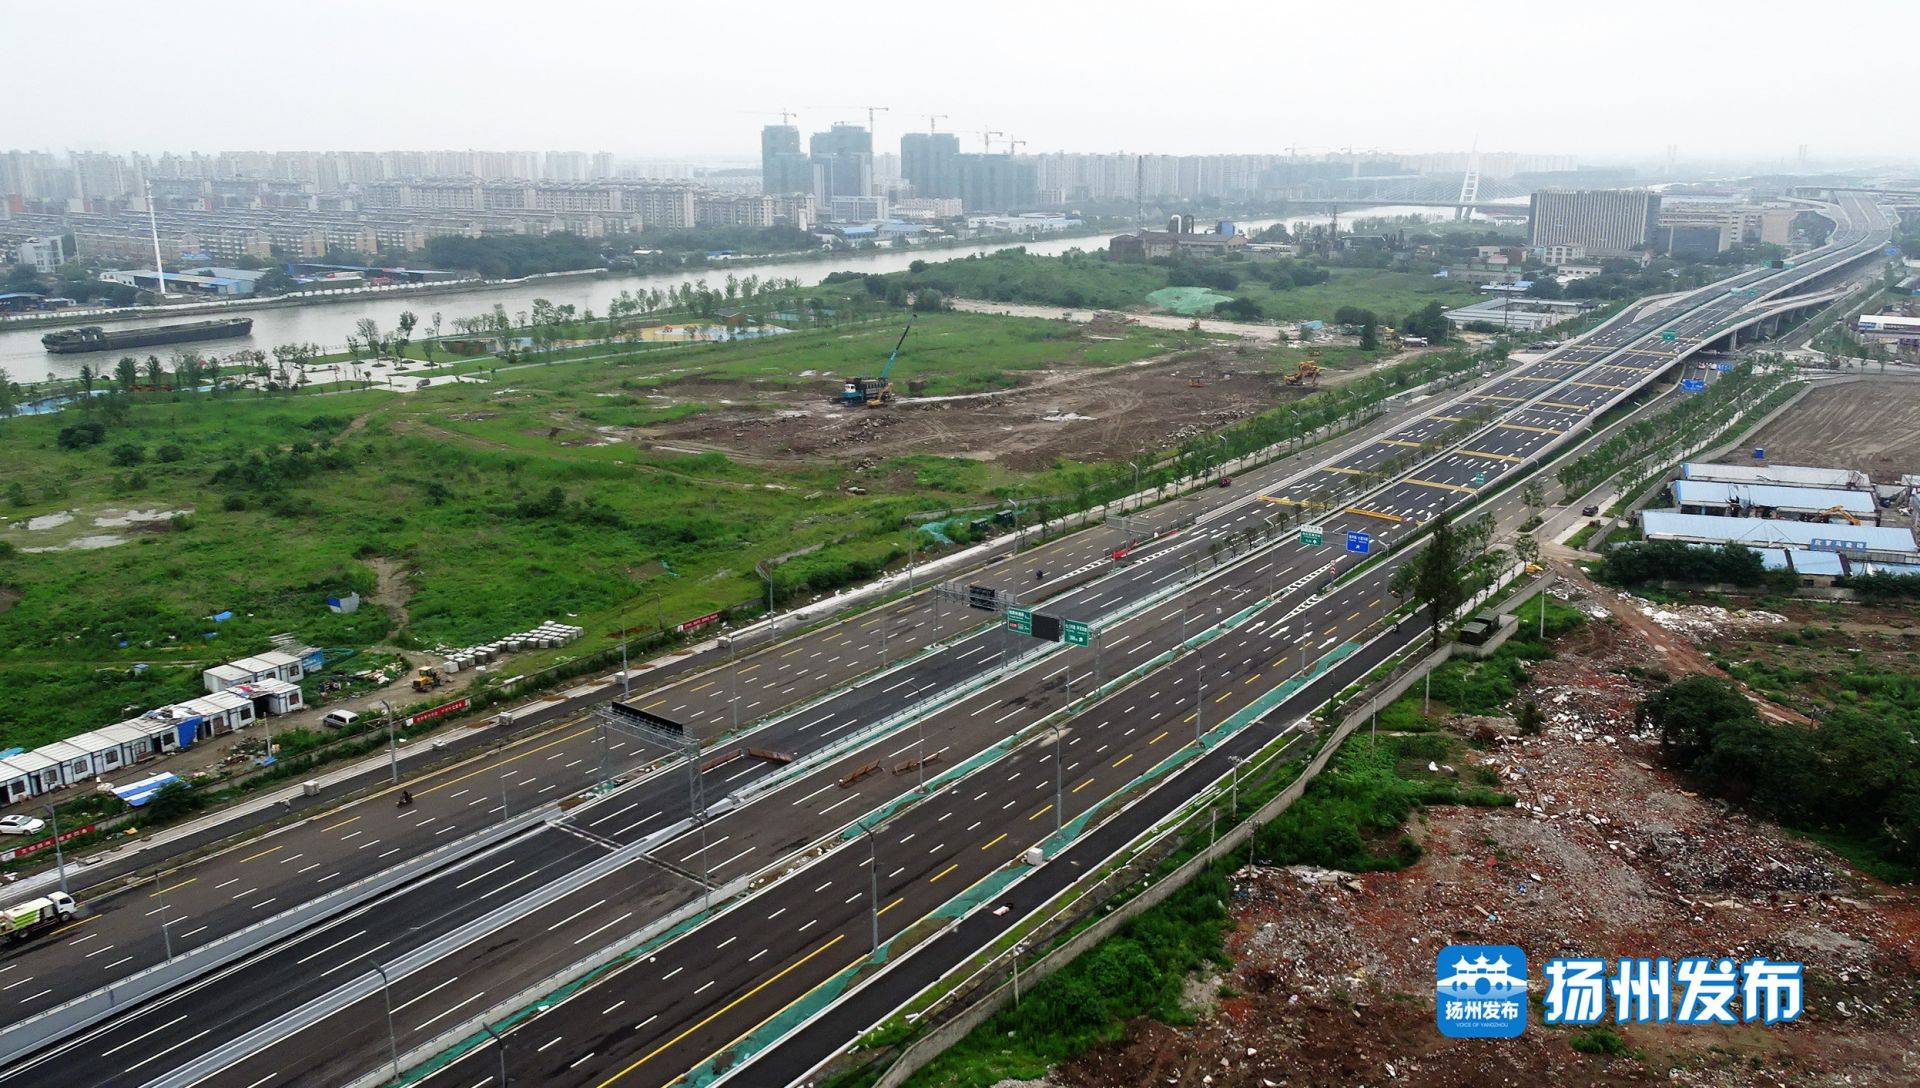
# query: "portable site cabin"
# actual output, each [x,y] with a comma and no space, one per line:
[41,772]
[16,783]
[76,763]
[271,697]
[208,716]
[272,665]
[106,754]
[161,730]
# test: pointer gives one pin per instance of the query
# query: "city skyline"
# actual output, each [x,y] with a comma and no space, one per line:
[1538,84]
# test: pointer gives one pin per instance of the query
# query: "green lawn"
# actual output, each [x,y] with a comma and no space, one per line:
[505,504]
[1391,295]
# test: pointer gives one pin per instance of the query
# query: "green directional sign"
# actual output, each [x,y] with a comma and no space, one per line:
[1020,620]
[1076,633]
[1479,479]
[1313,536]
[1669,336]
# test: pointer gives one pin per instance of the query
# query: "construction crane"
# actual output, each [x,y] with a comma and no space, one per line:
[874,392]
[986,139]
[1014,146]
[871,110]
[933,121]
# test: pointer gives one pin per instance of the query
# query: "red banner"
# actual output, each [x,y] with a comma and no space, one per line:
[440,711]
[698,622]
[47,843]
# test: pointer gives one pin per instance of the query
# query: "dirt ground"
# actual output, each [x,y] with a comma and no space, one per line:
[1082,413]
[1873,426]
[1605,853]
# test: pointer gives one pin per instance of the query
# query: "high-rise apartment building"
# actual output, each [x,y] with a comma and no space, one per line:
[842,162]
[784,168]
[1608,222]
[927,163]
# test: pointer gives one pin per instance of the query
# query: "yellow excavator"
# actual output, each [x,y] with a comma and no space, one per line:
[1839,512]
[427,678]
[1306,372]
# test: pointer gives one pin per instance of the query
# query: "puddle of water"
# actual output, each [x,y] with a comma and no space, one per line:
[49,521]
[83,543]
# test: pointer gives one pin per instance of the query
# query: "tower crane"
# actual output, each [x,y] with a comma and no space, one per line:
[933,121]
[986,139]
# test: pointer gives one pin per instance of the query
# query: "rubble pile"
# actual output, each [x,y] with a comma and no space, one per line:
[1605,853]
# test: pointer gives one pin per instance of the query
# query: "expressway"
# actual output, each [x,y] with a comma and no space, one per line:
[640,1026]
[1437,461]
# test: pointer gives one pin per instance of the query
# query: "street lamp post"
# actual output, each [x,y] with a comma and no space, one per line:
[393,1040]
[501,1043]
[873,877]
[393,749]
[59,856]
[1059,797]
[166,935]
[733,680]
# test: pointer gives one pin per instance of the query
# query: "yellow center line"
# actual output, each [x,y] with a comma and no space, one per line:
[1493,396]
[1400,442]
[1222,695]
[721,1011]
[701,688]
[264,853]
[1381,514]
[1343,468]
[341,824]
[1083,785]
[1490,455]
[943,872]
[1254,679]
[73,925]
[175,887]
[1042,812]
[991,845]
[1448,419]
[1563,404]
[751,667]
[656,702]
[1353,617]
[1161,737]
[1529,427]
[890,906]
[1122,761]
[1441,486]
[793,651]
[1375,603]
[1281,500]
[504,762]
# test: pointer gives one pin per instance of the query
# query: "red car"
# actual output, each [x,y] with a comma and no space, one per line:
[1226,481]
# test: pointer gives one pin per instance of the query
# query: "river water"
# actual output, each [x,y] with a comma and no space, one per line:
[329,323]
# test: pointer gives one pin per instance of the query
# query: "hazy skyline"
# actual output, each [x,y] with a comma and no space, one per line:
[1718,79]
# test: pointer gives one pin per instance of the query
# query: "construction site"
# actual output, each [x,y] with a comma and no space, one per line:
[1604,852]
[1077,412]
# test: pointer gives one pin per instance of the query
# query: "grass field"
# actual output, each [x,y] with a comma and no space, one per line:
[494,505]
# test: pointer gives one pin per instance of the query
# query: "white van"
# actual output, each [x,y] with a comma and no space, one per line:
[339,719]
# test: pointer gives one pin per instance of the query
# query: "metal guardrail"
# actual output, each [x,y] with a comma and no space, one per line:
[53,1025]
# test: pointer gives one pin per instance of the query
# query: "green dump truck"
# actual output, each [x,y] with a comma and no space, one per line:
[26,919]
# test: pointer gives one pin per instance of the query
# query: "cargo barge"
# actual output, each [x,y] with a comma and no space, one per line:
[94,338]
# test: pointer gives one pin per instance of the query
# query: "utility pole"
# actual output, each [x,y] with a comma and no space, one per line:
[733,680]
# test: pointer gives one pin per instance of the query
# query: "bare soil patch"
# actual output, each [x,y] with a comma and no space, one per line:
[1078,414]
[1873,426]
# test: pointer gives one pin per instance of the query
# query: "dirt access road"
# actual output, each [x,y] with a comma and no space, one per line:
[1248,329]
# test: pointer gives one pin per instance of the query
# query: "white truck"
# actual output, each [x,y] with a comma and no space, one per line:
[26,919]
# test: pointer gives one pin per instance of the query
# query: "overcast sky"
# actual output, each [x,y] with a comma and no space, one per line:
[696,78]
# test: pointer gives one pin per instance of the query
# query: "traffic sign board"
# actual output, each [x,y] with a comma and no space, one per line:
[1669,336]
[1359,543]
[1313,535]
[1077,633]
[1479,479]
[1692,385]
[1723,367]
[1020,620]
